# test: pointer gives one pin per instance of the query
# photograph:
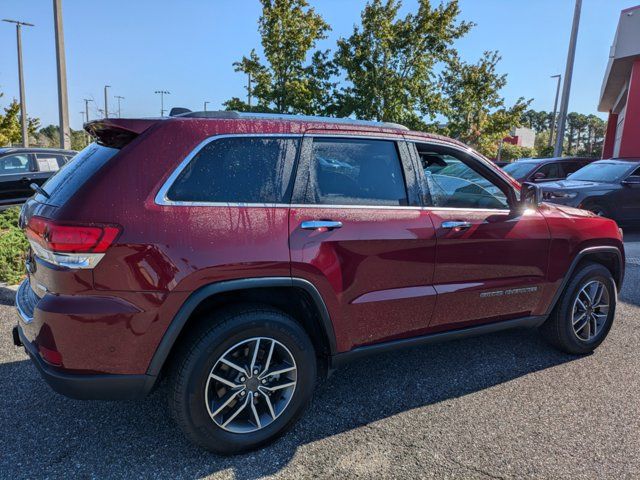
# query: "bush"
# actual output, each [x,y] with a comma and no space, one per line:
[13,247]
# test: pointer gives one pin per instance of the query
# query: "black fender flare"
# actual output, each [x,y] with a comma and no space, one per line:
[188,307]
[580,256]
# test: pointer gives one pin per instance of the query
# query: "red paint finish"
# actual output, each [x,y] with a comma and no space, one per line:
[388,273]
[501,251]
[630,140]
[610,136]
[376,271]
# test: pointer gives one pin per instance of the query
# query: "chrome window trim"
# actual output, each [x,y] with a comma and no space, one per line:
[161,197]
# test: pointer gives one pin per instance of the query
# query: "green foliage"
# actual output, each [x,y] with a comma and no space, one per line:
[13,247]
[389,61]
[584,134]
[512,152]
[475,109]
[10,129]
[289,82]
[49,137]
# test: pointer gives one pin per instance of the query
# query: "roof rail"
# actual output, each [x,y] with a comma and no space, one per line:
[231,114]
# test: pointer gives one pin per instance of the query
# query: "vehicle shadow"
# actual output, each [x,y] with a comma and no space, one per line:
[7,295]
[45,434]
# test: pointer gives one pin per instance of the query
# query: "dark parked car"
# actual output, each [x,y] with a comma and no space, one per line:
[242,255]
[609,188]
[545,169]
[20,167]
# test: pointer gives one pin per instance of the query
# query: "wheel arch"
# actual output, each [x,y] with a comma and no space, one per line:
[295,296]
[609,256]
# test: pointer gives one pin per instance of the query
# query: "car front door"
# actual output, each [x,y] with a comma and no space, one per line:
[491,260]
[16,172]
[358,233]
[626,205]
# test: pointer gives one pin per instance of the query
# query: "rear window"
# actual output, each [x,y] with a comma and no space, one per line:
[519,170]
[238,170]
[356,172]
[75,173]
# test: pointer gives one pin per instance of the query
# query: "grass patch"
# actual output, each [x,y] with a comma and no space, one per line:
[13,247]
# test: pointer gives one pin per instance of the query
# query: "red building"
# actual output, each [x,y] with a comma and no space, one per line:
[620,95]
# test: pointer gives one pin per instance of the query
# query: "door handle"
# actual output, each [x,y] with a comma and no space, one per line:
[456,224]
[320,224]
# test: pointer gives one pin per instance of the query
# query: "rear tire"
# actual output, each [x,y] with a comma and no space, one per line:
[584,313]
[227,411]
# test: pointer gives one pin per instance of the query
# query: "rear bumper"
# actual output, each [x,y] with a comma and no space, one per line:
[80,386]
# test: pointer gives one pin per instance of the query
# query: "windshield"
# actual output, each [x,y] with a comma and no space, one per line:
[601,172]
[519,169]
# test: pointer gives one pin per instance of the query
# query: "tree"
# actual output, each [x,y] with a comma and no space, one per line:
[475,109]
[49,137]
[389,62]
[293,80]
[10,128]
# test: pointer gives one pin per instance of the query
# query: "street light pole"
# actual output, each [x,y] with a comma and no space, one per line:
[86,109]
[162,94]
[119,97]
[106,102]
[205,105]
[23,100]
[566,89]
[555,108]
[63,99]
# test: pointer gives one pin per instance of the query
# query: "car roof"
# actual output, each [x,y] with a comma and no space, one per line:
[554,159]
[629,161]
[4,150]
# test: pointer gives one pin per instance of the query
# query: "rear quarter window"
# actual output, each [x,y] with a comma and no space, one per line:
[238,170]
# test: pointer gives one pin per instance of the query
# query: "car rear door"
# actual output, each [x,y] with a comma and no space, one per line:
[16,172]
[491,261]
[359,235]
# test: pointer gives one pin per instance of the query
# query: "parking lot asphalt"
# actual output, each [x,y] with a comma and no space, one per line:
[499,406]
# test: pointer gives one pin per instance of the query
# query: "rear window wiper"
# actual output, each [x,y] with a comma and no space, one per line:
[38,189]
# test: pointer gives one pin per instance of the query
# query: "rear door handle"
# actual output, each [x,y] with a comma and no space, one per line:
[320,224]
[456,224]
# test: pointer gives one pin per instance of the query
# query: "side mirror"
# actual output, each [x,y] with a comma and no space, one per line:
[539,176]
[530,195]
[632,182]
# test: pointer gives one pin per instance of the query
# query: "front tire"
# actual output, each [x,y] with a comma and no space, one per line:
[584,313]
[242,380]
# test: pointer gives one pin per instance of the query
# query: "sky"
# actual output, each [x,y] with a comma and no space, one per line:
[187,47]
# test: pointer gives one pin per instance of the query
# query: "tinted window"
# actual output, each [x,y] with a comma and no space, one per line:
[238,170]
[570,167]
[14,164]
[452,183]
[519,170]
[601,172]
[550,170]
[356,172]
[75,173]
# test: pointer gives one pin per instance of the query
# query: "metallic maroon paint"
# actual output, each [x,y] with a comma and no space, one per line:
[389,273]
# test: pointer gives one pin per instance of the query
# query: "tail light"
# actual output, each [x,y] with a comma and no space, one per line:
[70,245]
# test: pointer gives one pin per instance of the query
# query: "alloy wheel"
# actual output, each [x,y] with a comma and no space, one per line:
[251,385]
[590,310]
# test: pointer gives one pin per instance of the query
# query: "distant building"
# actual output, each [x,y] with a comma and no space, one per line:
[620,95]
[522,137]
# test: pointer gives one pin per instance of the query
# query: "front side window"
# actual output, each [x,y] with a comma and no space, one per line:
[14,164]
[549,171]
[451,183]
[49,163]
[356,172]
[238,170]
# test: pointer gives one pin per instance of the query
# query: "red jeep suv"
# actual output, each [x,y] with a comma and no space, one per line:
[243,255]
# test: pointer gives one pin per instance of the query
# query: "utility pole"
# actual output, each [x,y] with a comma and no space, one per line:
[205,105]
[23,100]
[119,97]
[249,90]
[162,94]
[566,89]
[555,108]
[86,109]
[63,99]
[106,103]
